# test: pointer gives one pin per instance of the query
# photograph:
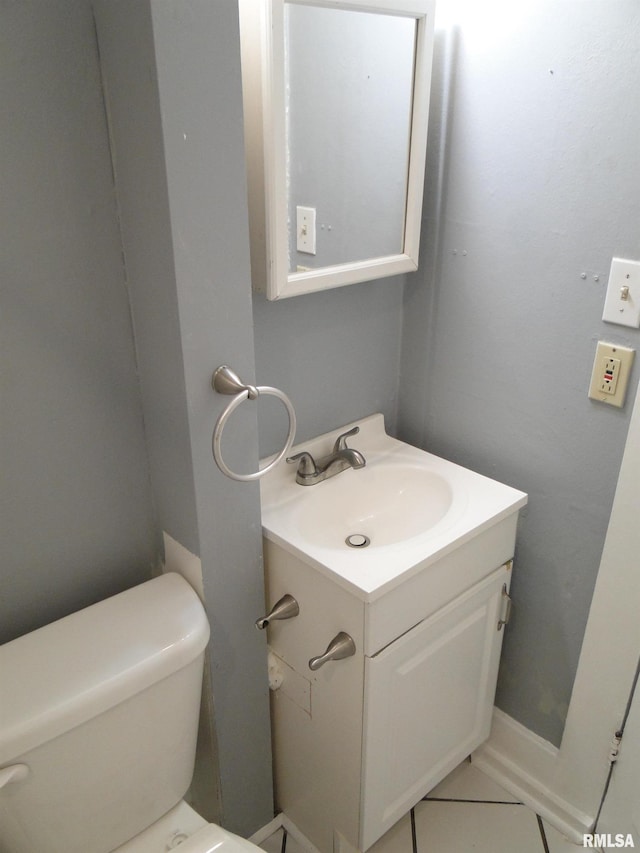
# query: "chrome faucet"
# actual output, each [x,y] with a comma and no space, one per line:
[342,457]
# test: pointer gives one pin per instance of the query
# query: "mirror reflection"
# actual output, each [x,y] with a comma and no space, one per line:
[349,84]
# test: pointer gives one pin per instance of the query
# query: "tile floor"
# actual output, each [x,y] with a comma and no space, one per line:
[466,812]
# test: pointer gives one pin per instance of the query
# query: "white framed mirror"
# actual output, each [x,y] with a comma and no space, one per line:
[336,101]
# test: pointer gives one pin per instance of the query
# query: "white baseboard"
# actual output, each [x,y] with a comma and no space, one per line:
[525,765]
[266,831]
[516,758]
[281,820]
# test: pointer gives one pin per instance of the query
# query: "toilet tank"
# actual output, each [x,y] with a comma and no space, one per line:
[102,709]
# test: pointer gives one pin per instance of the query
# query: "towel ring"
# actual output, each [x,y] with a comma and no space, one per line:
[226,381]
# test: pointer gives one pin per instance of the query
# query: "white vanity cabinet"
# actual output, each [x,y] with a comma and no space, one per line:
[361,740]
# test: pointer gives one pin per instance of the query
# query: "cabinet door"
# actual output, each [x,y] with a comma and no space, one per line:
[428,703]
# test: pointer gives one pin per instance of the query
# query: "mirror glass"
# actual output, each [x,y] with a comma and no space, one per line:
[348,107]
[336,100]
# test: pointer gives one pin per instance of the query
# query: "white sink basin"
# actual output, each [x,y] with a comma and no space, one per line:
[405,509]
[385,503]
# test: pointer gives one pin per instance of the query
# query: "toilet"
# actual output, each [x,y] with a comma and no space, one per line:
[98,724]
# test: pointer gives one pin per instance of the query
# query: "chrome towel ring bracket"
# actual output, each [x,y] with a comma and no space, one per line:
[226,381]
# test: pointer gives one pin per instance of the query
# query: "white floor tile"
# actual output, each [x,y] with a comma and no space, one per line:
[397,840]
[557,842]
[273,844]
[466,782]
[293,846]
[483,828]
[467,813]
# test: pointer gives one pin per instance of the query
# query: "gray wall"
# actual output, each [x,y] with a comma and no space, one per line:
[172,71]
[76,515]
[533,181]
[77,428]
[336,354]
[538,183]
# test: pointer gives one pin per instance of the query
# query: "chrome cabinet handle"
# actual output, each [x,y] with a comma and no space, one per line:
[506,615]
[285,608]
[342,646]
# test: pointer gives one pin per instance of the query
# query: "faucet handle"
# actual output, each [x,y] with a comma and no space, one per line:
[341,440]
[307,466]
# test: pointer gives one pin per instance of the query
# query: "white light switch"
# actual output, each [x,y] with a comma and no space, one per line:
[611,369]
[306,229]
[622,302]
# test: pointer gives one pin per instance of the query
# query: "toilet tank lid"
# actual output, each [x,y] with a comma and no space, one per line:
[65,673]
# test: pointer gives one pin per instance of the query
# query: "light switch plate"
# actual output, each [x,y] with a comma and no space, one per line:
[622,302]
[610,375]
[306,229]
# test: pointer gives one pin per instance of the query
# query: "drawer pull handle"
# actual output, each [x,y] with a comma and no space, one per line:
[506,614]
[285,608]
[342,646]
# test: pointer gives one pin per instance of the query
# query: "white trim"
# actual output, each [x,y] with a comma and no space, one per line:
[282,821]
[267,830]
[178,559]
[525,765]
[408,8]
[295,833]
[263,58]
[611,644]
[341,275]
[275,149]
[566,785]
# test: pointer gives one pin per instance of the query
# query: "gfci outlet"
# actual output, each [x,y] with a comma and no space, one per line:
[611,369]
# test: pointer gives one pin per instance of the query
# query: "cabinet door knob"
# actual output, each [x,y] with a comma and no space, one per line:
[285,608]
[342,646]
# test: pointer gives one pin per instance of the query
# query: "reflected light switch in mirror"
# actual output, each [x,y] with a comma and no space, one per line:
[306,229]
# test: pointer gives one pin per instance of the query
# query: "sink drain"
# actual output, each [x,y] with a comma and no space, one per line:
[357,540]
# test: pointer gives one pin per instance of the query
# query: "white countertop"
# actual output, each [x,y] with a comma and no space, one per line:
[477,503]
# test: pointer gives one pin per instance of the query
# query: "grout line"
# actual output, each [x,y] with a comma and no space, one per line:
[284,841]
[458,800]
[414,840]
[543,834]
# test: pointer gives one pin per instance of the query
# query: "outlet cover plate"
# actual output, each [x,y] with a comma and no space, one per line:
[622,302]
[605,355]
